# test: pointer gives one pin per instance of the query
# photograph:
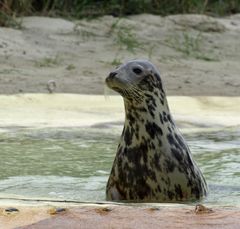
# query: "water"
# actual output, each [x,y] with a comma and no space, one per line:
[74,163]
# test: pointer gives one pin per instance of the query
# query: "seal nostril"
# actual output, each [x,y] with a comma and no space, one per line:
[112,74]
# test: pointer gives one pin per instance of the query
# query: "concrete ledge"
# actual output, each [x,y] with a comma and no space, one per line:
[59,110]
[112,216]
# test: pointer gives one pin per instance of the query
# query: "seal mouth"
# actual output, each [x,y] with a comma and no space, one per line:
[126,89]
[114,83]
[115,88]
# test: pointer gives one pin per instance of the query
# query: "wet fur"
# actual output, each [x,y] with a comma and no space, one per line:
[153,162]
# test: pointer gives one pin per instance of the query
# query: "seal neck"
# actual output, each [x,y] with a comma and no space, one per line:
[146,121]
[152,108]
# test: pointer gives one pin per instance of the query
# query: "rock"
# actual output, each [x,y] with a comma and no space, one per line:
[11,210]
[54,211]
[201,209]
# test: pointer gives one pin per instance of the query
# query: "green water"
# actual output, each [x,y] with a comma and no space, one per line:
[74,163]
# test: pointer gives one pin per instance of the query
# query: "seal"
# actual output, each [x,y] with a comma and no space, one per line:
[153,162]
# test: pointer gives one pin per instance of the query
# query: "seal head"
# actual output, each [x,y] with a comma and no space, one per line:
[133,78]
[153,162]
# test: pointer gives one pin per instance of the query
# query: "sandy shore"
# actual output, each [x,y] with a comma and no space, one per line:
[197,55]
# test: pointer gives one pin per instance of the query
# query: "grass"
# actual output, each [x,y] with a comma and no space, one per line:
[127,40]
[9,9]
[49,62]
[150,51]
[85,34]
[124,39]
[70,67]
[9,21]
[116,61]
[190,45]
[124,36]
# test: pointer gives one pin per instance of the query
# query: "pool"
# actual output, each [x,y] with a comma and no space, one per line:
[73,163]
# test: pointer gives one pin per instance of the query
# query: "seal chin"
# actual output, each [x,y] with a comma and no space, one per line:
[111,84]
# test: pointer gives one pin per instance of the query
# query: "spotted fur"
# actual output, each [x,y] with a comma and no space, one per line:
[153,162]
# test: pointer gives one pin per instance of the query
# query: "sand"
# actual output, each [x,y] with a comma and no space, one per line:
[197,55]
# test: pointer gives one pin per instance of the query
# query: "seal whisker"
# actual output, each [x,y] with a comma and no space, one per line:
[136,93]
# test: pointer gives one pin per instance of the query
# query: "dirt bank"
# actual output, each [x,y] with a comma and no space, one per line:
[197,55]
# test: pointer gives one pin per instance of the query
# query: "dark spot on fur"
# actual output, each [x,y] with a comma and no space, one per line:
[165,117]
[180,141]
[156,160]
[173,142]
[142,109]
[160,86]
[130,118]
[152,175]
[159,142]
[153,129]
[161,118]
[152,146]
[170,139]
[178,191]
[143,189]
[162,96]
[128,136]
[190,182]
[131,196]
[122,192]
[151,109]
[157,76]
[170,119]
[177,154]
[170,194]
[190,163]
[146,84]
[169,165]
[196,191]
[137,132]
[136,115]
[154,102]
[151,104]
[134,154]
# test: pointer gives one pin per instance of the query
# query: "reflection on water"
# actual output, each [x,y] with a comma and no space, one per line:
[74,163]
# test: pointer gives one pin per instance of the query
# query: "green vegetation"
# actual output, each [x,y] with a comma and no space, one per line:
[9,9]
[116,61]
[48,61]
[70,67]
[124,39]
[124,36]
[9,20]
[190,45]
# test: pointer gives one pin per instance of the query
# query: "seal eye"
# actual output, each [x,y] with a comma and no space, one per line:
[137,70]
